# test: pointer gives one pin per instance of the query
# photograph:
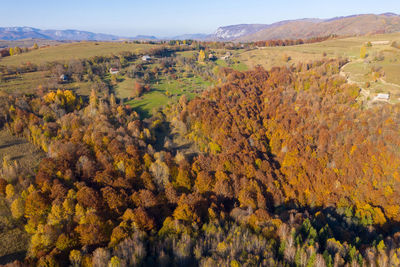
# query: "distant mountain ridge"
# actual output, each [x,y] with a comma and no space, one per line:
[288,29]
[19,33]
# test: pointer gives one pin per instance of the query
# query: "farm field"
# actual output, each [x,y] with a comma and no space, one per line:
[380,69]
[381,58]
[167,92]
[29,82]
[81,50]
[343,47]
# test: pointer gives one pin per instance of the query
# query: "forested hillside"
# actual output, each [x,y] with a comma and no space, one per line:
[285,169]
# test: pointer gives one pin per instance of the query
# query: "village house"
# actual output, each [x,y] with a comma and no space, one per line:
[63,78]
[114,70]
[383,97]
[226,56]
[146,58]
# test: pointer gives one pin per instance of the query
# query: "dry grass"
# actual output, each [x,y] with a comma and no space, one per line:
[66,52]
[17,149]
[346,47]
[13,238]
[357,70]
[125,88]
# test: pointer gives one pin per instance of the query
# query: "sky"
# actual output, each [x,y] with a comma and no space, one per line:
[175,17]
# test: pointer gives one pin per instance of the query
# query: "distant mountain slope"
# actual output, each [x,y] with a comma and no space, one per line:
[233,32]
[144,37]
[18,33]
[195,36]
[351,25]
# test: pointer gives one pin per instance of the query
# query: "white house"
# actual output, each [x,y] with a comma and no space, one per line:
[146,58]
[114,70]
[380,43]
[382,96]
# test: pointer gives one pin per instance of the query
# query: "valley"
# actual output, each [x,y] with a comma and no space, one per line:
[258,145]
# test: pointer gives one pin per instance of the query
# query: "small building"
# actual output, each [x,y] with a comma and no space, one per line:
[146,58]
[226,56]
[211,56]
[114,70]
[382,96]
[380,42]
[63,78]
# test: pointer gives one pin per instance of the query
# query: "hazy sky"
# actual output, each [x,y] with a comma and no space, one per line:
[172,17]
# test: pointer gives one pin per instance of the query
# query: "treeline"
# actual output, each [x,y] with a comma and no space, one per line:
[12,51]
[273,43]
[292,172]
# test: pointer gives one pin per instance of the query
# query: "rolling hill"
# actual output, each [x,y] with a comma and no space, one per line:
[342,26]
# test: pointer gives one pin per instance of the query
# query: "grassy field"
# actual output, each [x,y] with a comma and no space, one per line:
[167,92]
[66,52]
[380,56]
[124,89]
[20,150]
[29,43]
[346,47]
[239,66]
[25,82]
[29,82]
[13,239]
[188,54]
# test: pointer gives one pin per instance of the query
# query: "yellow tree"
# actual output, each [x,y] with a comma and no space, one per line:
[18,208]
[363,52]
[75,257]
[114,262]
[10,191]
[183,179]
[11,51]
[35,46]
[202,56]
[56,215]
[17,50]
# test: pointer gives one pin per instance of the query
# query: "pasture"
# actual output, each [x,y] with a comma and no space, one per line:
[380,69]
[79,50]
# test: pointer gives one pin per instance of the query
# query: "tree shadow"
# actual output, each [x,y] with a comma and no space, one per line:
[341,227]
[14,143]
[13,257]
[143,113]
